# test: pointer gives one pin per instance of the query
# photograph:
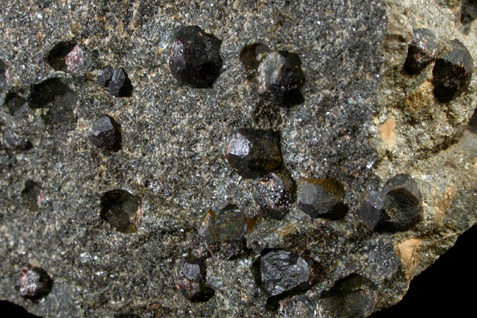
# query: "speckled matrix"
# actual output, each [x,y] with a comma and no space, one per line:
[362,121]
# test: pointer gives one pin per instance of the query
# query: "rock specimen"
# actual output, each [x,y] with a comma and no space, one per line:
[194,57]
[321,198]
[13,141]
[364,120]
[283,273]
[422,50]
[254,153]
[452,72]
[116,80]
[106,133]
[121,210]
[190,279]
[402,205]
[34,282]
[224,231]
[275,193]
[281,78]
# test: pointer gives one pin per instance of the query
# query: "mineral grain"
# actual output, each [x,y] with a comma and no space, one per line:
[190,279]
[57,55]
[194,57]
[422,51]
[452,72]
[275,193]
[106,133]
[34,282]
[254,153]
[224,231]
[283,273]
[321,198]
[280,78]
[402,206]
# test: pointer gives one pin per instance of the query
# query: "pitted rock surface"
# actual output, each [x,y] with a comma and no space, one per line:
[363,121]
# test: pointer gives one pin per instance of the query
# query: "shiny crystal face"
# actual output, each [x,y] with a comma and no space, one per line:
[34,282]
[283,273]
[238,146]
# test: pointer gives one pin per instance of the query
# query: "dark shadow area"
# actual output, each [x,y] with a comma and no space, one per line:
[9,309]
[3,75]
[473,123]
[469,11]
[445,287]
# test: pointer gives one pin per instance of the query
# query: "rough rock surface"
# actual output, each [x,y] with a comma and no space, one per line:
[363,121]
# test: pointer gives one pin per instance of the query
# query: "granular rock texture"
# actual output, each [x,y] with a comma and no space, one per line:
[363,120]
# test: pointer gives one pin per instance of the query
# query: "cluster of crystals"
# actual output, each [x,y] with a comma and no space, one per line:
[397,207]
[451,73]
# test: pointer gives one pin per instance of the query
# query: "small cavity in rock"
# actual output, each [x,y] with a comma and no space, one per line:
[422,50]
[275,194]
[352,296]
[224,231]
[57,97]
[194,57]
[58,55]
[14,103]
[251,55]
[254,153]
[34,282]
[32,194]
[402,205]
[452,72]
[281,78]
[121,210]
[321,198]
[106,133]
[190,279]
